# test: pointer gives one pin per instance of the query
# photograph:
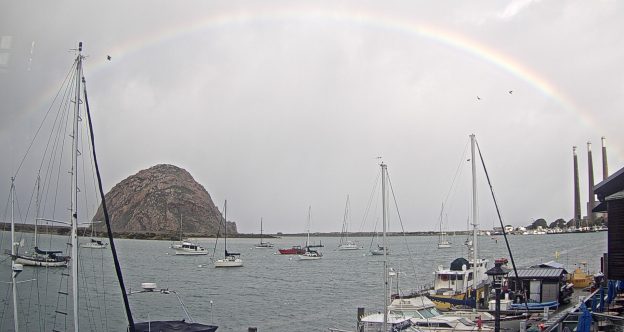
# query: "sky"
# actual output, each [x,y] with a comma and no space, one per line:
[278,106]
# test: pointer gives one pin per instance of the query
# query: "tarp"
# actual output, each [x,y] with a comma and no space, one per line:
[611,291]
[173,325]
[585,319]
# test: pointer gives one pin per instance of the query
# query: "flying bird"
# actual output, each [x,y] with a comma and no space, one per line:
[478,98]
[510,91]
[108,57]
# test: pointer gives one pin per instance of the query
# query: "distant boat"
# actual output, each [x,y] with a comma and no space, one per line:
[94,243]
[310,254]
[186,247]
[263,245]
[294,250]
[345,243]
[443,241]
[230,259]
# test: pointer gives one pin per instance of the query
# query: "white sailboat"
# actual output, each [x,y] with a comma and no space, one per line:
[443,241]
[310,254]
[230,259]
[463,282]
[383,320]
[94,243]
[263,245]
[43,258]
[345,243]
[186,247]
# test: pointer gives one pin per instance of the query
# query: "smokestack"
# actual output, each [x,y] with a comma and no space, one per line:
[577,194]
[605,167]
[592,198]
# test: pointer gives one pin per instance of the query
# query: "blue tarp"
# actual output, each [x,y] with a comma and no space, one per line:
[611,291]
[585,319]
[602,299]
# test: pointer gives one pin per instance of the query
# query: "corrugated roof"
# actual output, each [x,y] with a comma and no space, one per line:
[538,273]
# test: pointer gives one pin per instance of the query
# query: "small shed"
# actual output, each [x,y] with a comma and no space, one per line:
[610,193]
[541,284]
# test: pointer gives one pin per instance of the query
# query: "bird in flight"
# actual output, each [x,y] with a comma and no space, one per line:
[510,91]
[108,57]
[478,98]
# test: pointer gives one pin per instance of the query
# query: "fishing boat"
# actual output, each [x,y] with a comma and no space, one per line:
[294,250]
[580,278]
[443,241]
[186,247]
[345,243]
[464,282]
[262,244]
[310,254]
[230,259]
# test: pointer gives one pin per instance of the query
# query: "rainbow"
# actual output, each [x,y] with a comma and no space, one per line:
[375,20]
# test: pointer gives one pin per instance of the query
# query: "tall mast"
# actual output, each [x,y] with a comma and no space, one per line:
[14,266]
[225,227]
[260,230]
[37,204]
[475,224]
[309,217]
[384,204]
[74,182]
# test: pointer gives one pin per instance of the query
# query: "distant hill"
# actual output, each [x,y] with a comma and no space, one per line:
[155,200]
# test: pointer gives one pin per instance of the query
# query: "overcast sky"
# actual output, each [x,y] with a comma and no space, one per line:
[280,105]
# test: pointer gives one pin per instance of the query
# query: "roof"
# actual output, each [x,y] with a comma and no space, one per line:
[538,272]
[602,207]
[610,185]
[550,264]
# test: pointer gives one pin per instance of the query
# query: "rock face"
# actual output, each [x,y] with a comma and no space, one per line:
[160,200]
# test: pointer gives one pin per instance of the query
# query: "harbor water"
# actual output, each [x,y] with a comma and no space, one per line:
[271,292]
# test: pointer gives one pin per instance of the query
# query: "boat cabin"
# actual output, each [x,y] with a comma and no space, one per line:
[459,277]
[540,285]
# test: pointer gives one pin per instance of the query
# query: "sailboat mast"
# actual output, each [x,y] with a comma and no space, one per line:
[37,204]
[309,217]
[475,225]
[225,227]
[384,205]
[14,272]
[260,230]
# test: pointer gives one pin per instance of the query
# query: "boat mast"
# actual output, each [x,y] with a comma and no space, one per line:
[225,227]
[15,269]
[37,203]
[384,204]
[74,182]
[475,225]
[260,230]
[309,217]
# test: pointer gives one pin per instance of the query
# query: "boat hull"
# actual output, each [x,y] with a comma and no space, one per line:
[292,251]
[91,245]
[180,252]
[29,261]
[228,263]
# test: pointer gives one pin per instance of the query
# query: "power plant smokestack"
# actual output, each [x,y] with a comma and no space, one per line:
[592,198]
[605,167]
[577,193]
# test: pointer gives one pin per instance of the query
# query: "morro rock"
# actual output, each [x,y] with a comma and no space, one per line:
[160,200]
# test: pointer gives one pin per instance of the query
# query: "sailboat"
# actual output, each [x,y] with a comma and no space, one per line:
[310,254]
[345,243]
[443,241]
[187,248]
[379,249]
[94,243]
[230,259]
[465,281]
[70,314]
[263,245]
[383,320]
[44,258]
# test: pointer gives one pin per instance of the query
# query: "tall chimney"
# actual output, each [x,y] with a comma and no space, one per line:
[605,167]
[592,198]
[577,194]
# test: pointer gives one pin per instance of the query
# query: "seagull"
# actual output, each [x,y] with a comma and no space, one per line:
[510,91]
[108,57]
[478,98]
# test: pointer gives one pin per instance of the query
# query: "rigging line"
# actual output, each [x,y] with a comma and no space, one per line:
[457,172]
[106,217]
[42,122]
[500,219]
[370,199]
[396,205]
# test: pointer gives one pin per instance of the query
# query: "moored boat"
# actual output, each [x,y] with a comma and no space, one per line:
[294,250]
